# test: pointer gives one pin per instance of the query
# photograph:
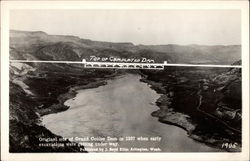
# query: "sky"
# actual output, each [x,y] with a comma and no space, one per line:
[148,27]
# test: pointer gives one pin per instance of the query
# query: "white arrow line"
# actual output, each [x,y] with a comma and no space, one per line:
[45,61]
[79,62]
[204,65]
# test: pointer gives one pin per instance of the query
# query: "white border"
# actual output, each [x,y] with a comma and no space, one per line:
[7,6]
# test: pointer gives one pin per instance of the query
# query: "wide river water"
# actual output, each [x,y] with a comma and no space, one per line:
[121,108]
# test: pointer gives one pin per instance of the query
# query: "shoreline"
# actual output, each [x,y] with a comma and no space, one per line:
[71,93]
[167,115]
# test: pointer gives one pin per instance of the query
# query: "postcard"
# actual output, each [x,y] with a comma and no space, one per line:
[143,80]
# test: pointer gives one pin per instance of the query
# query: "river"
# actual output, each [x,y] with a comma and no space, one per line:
[121,108]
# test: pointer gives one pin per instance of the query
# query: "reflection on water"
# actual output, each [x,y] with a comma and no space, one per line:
[120,108]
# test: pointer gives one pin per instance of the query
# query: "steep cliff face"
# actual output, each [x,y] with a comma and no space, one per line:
[25,129]
[226,92]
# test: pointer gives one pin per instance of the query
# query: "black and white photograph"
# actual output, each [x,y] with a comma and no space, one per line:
[107,80]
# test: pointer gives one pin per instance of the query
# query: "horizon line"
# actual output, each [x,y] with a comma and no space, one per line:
[125,42]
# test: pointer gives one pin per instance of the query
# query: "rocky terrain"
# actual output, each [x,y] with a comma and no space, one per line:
[40,92]
[202,101]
